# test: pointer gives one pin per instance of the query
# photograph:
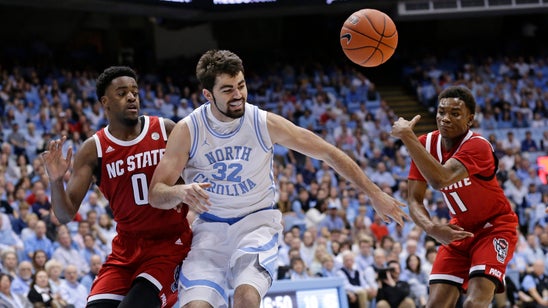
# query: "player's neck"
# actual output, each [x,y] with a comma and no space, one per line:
[125,131]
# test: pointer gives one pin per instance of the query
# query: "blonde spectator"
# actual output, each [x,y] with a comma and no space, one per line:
[54,269]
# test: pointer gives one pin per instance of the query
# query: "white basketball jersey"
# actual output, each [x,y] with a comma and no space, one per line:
[237,164]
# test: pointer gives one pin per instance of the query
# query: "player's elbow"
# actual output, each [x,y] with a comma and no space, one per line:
[153,200]
[64,217]
[436,184]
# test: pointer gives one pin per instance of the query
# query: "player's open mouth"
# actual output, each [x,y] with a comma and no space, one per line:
[236,103]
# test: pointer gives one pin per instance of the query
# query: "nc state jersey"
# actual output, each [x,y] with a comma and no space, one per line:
[126,168]
[474,200]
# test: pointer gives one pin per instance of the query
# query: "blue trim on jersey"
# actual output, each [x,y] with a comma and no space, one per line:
[194,141]
[213,132]
[258,129]
[207,217]
[187,283]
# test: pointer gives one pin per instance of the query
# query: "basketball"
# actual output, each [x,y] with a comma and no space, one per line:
[369,37]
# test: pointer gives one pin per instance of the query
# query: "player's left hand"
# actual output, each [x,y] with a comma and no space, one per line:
[402,126]
[196,197]
[387,207]
[447,233]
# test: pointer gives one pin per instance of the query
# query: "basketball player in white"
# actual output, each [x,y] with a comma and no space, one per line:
[229,143]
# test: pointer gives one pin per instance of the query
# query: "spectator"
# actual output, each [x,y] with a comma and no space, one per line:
[511,143]
[535,286]
[328,267]
[40,292]
[38,240]
[8,298]
[393,292]
[95,264]
[90,249]
[298,269]
[332,221]
[41,205]
[357,290]
[107,230]
[92,203]
[39,259]
[308,247]
[21,282]
[67,254]
[10,262]
[17,140]
[9,239]
[417,279]
[378,228]
[529,144]
[72,291]
[365,257]
[54,270]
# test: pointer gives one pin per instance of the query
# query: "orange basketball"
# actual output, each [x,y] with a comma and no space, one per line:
[369,37]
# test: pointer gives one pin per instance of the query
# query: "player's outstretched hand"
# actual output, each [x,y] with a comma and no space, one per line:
[402,126]
[56,165]
[387,207]
[196,197]
[448,233]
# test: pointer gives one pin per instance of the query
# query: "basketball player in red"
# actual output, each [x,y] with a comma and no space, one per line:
[143,268]
[481,236]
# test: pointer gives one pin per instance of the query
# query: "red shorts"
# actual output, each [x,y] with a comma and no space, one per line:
[486,254]
[157,260]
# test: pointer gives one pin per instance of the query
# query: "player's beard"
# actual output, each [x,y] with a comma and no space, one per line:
[228,112]
[130,121]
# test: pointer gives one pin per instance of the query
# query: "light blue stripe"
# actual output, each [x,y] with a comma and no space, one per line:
[272,243]
[187,283]
[194,141]
[258,129]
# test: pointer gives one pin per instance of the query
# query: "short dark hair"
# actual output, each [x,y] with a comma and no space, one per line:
[216,62]
[109,74]
[462,93]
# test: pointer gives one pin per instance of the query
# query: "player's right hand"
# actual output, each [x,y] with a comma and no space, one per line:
[196,197]
[445,234]
[56,166]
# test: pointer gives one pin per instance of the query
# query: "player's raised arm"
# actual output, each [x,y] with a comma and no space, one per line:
[306,142]
[66,202]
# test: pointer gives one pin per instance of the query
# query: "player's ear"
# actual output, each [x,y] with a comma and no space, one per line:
[208,95]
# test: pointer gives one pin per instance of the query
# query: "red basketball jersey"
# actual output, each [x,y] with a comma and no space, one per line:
[126,168]
[477,199]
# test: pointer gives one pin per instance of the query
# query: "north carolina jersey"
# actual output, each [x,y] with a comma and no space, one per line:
[126,168]
[232,162]
[466,199]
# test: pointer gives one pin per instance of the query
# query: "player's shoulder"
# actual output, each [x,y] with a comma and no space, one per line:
[479,140]
[88,150]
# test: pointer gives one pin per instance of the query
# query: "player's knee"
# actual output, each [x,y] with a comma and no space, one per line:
[473,302]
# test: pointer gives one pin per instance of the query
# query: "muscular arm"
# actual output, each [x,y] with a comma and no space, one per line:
[164,192]
[437,175]
[67,201]
[417,211]
[306,142]
[443,233]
